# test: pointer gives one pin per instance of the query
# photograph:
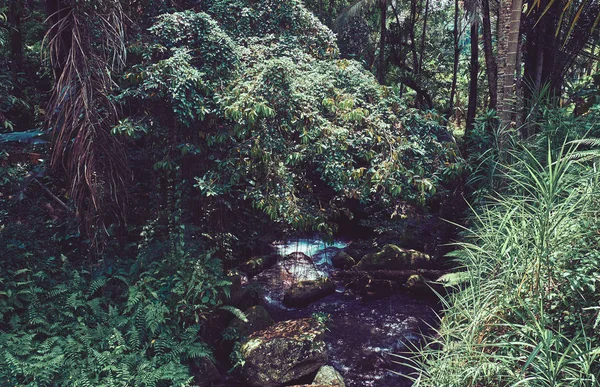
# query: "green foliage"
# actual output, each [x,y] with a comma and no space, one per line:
[321,317]
[72,333]
[139,325]
[213,52]
[281,125]
[527,313]
[287,21]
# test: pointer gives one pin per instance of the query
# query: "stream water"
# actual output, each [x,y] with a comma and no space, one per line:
[363,331]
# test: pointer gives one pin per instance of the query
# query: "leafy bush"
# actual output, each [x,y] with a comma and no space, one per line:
[278,124]
[127,323]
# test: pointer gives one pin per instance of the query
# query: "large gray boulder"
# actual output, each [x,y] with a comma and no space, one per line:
[285,352]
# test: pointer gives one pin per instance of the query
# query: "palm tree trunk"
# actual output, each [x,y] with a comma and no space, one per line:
[508,47]
[491,67]
[15,11]
[474,72]
[456,58]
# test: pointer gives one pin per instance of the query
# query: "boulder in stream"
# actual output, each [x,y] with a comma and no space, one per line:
[392,257]
[343,260]
[284,352]
[329,376]
[305,292]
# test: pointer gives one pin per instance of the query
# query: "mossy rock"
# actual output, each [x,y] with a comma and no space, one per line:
[329,376]
[305,292]
[392,257]
[284,352]
[258,319]
[343,260]
[257,264]
[419,285]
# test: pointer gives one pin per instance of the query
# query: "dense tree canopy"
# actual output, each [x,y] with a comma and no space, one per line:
[164,142]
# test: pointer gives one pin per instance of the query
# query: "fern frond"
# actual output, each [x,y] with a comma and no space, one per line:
[235,311]
[96,285]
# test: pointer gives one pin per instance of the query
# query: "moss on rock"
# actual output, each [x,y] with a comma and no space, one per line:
[393,257]
[284,352]
[329,376]
[343,260]
[305,292]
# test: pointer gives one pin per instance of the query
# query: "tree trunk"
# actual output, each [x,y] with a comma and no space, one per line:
[508,47]
[422,53]
[474,72]
[413,45]
[381,67]
[519,96]
[456,58]
[490,59]
[15,11]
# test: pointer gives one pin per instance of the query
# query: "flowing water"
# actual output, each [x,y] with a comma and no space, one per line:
[363,332]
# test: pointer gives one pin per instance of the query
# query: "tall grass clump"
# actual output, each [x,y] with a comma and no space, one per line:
[526,313]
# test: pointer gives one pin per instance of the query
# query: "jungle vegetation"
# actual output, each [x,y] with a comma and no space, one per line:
[147,146]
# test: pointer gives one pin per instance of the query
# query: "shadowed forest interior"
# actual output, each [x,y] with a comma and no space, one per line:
[284,192]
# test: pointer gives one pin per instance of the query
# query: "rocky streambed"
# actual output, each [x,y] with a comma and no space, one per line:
[320,305]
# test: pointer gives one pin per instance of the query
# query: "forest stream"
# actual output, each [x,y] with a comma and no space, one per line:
[363,331]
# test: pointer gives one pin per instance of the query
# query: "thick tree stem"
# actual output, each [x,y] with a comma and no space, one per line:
[456,58]
[381,67]
[474,73]
[508,47]
[490,59]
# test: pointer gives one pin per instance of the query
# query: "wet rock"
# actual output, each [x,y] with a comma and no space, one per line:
[393,257]
[329,376]
[300,266]
[343,260]
[305,292]
[284,352]
[258,319]
[287,274]
[383,282]
[257,264]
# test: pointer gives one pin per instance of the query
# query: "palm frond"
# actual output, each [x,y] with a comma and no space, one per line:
[86,46]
